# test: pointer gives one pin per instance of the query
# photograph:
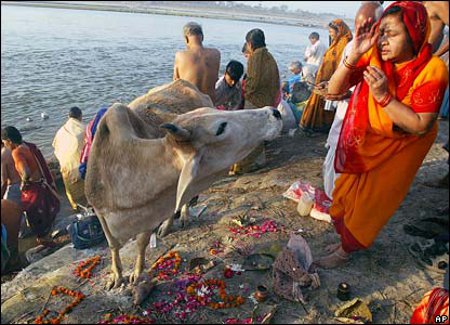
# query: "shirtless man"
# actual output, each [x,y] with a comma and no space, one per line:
[438,13]
[10,177]
[197,64]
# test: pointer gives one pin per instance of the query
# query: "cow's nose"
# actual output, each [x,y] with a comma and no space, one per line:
[276,113]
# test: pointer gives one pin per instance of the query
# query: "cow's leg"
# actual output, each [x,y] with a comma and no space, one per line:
[164,229]
[142,241]
[116,265]
[185,216]
[116,269]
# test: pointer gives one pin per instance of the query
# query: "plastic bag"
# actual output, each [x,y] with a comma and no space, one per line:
[322,202]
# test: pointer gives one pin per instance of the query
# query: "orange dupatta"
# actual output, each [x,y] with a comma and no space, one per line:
[332,56]
[314,116]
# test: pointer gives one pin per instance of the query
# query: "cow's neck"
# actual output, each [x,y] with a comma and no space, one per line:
[170,157]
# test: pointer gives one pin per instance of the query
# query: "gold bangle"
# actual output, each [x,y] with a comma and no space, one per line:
[385,100]
[349,65]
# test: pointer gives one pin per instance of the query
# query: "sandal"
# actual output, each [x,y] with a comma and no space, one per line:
[430,255]
[332,247]
[424,228]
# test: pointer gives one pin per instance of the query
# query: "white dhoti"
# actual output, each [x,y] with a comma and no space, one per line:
[329,174]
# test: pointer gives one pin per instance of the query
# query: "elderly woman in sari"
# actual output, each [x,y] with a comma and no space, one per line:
[390,123]
[314,117]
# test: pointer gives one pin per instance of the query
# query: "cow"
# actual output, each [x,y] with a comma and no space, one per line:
[137,178]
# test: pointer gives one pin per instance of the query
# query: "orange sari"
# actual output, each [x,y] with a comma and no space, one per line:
[378,161]
[314,116]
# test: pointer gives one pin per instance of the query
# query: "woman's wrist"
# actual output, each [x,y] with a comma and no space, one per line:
[353,59]
[385,100]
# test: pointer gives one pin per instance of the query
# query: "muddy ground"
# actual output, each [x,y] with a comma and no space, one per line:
[386,276]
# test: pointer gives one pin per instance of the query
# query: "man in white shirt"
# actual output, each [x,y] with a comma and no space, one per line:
[314,52]
[68,143]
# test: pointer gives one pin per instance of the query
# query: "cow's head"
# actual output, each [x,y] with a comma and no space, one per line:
[208,141]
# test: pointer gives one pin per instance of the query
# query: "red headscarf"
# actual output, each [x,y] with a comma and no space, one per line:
[349,157]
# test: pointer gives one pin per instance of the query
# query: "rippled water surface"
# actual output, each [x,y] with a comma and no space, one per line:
[53,59]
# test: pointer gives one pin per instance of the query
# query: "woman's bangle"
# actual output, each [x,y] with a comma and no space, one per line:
[349,65]
[385,100]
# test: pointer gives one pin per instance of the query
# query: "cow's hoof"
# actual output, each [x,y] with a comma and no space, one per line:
[114,282]
[136,277]
[185,215]
[184,219]
[164,229]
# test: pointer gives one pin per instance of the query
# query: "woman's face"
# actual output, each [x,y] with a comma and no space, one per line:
[332,32]
[394,43]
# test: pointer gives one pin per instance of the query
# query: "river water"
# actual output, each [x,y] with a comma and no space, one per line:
[53,59]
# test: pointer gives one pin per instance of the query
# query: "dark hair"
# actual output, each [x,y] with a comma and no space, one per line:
[75,112]
[12,134]
[244,48]
[314,35]
[391,11]
[256,38]
[335,27]
[193,29]
[395,10]
[235,69]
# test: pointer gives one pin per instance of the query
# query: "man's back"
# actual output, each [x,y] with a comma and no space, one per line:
[8,171]
[200,66]
[68,143]
[438,14]
[23,158]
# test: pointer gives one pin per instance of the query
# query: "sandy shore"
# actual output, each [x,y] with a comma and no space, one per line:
[386,276]
[301,20]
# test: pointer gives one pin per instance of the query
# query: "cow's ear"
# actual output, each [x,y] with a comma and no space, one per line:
[187,176]
[179,133]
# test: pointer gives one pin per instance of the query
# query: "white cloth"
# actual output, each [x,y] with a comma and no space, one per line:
[314,53]
[331,105]
[309,74]
[68,143]
[329,174]
[287,116]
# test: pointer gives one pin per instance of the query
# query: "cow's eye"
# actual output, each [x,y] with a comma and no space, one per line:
[221,128]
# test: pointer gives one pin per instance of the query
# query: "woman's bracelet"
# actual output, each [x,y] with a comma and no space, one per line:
[385,100]
[349,65]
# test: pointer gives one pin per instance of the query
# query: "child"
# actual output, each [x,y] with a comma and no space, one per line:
[228,87]
[296,68]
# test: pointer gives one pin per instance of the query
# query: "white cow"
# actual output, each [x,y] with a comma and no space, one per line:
[136,180]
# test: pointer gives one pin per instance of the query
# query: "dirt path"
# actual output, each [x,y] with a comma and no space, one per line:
[385,276]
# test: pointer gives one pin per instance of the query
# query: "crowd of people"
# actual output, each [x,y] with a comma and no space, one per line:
[376,92]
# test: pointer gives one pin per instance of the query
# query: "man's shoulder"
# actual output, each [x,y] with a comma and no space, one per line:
[6,154]
[181,52]
[213,52]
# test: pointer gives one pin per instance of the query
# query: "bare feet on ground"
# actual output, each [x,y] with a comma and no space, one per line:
[337,258]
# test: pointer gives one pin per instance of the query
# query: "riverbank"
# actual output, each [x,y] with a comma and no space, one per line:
[386,276]
[303,19]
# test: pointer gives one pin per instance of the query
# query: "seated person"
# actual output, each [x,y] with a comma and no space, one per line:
[228,88]
[296,68]
[285,93]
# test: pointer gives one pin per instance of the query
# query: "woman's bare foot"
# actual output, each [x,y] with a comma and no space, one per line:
[335,259]
[332,247]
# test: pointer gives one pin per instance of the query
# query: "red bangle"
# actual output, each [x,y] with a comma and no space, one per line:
[349,65]
[385,100]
